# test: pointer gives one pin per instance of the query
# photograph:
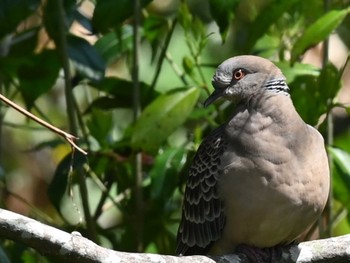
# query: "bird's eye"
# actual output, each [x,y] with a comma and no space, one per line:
[238,74]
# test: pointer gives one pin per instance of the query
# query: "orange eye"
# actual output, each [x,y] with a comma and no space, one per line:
[238,74]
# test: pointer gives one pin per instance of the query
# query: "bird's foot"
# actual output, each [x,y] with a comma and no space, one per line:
[260,255]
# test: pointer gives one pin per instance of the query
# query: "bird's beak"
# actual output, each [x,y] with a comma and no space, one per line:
[213,97]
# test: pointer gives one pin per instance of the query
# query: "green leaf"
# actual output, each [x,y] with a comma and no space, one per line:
[341,175]
[347,110]
[38,75]
[3,256]
[58,186]
[342,140]
[223,13]
[184,16]
[114,44]
[24,43]
[329,83]
[304,93]
[100,125]
[312,96]
[154,27]
[298,69]
[318,31]
[86,58]
[12,12]
[110,14]
[162,117]
[188,65]
[164,174]
[52,18]
[341,158]
[268,16]
[30,256]
[122,91]
[105,103]
[115,86]
[192,25]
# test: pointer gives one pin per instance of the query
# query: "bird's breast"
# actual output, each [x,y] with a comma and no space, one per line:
[271,194]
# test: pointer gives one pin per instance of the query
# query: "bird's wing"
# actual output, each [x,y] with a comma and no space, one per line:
[202,213]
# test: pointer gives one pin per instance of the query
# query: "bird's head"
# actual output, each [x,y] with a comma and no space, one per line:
[243,77]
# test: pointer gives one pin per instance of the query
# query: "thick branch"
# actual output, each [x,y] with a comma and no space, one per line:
[75,248]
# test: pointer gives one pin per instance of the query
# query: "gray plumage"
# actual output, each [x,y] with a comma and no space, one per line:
[262,178]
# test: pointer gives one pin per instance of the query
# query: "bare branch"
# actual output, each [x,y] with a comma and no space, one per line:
[68,137]
[75,248]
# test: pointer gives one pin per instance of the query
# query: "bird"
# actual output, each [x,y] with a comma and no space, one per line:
[260,179]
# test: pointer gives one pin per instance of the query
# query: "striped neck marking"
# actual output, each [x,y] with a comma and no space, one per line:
[277,86]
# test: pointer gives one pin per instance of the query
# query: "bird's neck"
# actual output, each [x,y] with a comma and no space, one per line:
[272,104]
[278,86]
[265,97]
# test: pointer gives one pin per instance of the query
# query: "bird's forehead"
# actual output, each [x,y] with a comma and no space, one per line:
[251,63]
[227,66]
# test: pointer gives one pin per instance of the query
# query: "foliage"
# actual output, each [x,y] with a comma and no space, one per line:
[154,121]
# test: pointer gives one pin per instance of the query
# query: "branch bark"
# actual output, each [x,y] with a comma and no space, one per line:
[72,247]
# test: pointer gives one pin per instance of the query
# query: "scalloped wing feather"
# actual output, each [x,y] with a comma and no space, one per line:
[203,217]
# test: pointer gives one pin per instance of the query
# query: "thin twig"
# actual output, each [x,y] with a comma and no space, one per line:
[105,189]
[163,53]
[68,137]
[4,49]
[176,68]
[196,55]
[62,47]
[344,67]
[117,200]
[137,111]
[81,124]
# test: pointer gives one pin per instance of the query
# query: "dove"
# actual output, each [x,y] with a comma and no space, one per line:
[261,178]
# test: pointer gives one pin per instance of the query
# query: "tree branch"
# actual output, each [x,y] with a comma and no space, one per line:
[73,247]
[68,137]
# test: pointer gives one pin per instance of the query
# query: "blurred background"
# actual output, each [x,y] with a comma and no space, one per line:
[129,79]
